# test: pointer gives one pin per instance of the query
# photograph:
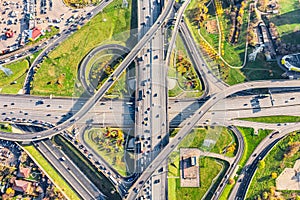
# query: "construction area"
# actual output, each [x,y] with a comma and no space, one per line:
[189,168]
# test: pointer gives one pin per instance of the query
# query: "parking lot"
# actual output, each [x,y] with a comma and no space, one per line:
[18,17]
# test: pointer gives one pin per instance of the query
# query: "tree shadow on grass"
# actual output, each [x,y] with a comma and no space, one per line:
[263,179]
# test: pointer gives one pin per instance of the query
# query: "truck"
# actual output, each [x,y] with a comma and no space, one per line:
[139,147]
[140,95]
[113,180]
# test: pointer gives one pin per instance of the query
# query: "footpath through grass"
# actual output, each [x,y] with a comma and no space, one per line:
[55,176]
[276,161]
[58,72]
[222,137]
[100,181]
[273,119]
[183,79]
[234,53]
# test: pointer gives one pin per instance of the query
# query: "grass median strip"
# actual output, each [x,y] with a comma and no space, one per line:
[100,181]
[273,119]
[55,176]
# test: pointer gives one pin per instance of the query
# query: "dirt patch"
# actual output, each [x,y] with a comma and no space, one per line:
[51,71]
[211,26]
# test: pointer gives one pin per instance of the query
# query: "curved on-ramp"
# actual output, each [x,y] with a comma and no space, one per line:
[82,69]
[100,93]
[186,129]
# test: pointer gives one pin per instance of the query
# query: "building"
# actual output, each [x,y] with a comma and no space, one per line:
[24,172]
[289,179]
[22,186]
[291,62]
[34,34]
[189,168]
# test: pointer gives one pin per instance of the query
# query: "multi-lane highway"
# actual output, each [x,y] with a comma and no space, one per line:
[241,187]
[163,155]
[106,85]
[106,113]
[70,172]
[153,105]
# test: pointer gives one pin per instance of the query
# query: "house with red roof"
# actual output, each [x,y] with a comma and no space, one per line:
[34,33]
[24,172]
[22,186]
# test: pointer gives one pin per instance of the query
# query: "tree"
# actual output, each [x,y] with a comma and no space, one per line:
[239,20]
[274,175]
[272,191]
[231,181]
[258,197]
[10,191]
[261,164]
[265,195]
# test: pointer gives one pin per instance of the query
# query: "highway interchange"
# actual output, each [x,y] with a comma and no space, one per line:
[216,92]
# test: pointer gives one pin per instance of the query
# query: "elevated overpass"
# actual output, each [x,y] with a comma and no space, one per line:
[186,129]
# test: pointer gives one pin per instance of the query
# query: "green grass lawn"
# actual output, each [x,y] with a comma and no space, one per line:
[181,79]
[58,72]
[234,54]
[273,119]
[226,192]
[262,181]
[56,177]
[209,169]
[88,168]
[18,69]
[261,70]
[118,164]
[221,135]
[251,141]
[288,21]
[228,75]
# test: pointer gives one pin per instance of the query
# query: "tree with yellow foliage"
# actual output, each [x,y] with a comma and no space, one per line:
[10,192]
[274,175]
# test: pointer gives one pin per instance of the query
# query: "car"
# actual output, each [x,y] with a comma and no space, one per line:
[62,159]
[97,162]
